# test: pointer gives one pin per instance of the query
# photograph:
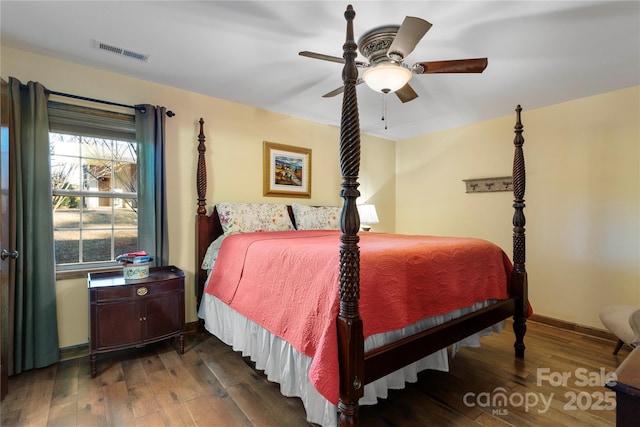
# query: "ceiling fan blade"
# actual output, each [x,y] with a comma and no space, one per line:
[340,90]
[334,92]
[476,65]
[321,56]
[329,58]
[409,34]
[406,93]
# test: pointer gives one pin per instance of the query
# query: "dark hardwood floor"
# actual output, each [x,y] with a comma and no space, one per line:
[558,383]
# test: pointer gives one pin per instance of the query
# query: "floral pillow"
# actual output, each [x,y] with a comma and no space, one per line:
[316,217]
[248,217]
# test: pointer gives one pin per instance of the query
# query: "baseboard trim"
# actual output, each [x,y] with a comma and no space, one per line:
[193,327]
[74,352]
[574,327]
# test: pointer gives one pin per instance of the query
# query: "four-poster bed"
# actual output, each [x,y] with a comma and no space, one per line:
[359,362]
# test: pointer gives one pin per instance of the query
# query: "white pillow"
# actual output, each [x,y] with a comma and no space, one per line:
[248,217]
[212,253]
[316,217]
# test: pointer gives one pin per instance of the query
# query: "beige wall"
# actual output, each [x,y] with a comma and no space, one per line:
[583,185]
[234,135]
[583,197]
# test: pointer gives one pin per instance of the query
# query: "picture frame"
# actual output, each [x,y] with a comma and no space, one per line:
[286,170]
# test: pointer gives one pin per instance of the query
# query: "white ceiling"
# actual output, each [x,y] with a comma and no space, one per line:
[540,52]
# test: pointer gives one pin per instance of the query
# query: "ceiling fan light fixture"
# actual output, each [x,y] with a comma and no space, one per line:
[387,77]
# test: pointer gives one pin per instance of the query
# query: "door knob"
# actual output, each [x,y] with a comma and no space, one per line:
[6,254]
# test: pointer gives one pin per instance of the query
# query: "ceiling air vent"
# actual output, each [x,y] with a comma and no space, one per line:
[120,51]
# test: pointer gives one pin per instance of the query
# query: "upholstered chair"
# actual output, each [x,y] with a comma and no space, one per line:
[624,322]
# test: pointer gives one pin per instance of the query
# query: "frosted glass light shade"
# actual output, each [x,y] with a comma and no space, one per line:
[386,77]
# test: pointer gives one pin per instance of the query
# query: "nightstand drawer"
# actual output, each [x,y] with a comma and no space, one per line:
[135,289]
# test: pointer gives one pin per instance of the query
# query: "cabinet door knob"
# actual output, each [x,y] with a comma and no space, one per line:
[142,291]
[6,254]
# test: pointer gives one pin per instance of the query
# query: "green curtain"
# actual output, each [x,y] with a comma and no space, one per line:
[153,236]
[35,315]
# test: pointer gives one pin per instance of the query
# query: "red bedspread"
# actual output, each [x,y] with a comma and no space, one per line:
[288,282]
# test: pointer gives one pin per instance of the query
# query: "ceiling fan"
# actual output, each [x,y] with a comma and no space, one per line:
[386,48]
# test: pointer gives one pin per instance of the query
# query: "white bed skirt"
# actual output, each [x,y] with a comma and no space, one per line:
[284,365]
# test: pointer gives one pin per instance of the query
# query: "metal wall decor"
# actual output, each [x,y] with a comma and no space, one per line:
[486,185]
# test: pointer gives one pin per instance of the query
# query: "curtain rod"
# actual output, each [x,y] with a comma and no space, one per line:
[83,98]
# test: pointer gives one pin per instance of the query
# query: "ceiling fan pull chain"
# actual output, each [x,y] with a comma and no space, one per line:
[384,110]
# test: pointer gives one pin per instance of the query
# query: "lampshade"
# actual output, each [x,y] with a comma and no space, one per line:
[368,215]
[386,77]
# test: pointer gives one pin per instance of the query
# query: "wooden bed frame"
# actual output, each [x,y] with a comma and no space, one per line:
[358,368]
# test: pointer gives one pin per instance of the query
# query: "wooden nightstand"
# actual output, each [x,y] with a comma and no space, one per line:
[133,313]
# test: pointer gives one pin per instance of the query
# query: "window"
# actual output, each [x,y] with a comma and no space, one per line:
[95,201]
[94,181]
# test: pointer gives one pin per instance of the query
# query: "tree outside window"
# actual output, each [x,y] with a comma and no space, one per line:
[94,186]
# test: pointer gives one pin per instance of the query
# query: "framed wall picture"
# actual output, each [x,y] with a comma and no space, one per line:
[287,170]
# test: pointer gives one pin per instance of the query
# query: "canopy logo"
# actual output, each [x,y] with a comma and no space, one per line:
[500,399]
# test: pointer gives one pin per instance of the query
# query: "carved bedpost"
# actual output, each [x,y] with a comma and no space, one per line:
[201,177]
[202,236]
[519,275]
[350,335]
